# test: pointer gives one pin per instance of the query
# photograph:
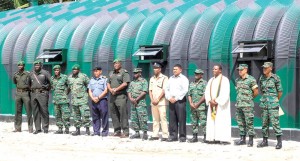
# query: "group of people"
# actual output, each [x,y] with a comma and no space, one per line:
[209,102]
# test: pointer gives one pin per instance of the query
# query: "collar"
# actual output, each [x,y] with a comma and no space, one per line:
[100,77]
[177,76]
[159,76]
[247,76]
[119,71]
[200,80]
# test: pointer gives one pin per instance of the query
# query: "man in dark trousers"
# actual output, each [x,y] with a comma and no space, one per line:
[22,81]
[175,92]
[40,86]
[117,84]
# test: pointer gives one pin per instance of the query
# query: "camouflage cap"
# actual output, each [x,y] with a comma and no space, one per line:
[242,66]
[157,65]
[76,67]
[21,63]
[37,62]
[199,71]
[137,70]
[56,67]
[117,60]
[267,64]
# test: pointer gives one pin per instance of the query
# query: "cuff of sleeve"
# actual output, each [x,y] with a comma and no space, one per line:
[255,86]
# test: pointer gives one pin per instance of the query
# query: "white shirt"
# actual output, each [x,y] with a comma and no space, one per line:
[177,87]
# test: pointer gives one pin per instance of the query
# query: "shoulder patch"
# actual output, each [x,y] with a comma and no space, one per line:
[125,71]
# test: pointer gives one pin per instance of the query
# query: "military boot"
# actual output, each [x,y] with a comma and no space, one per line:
[87,131]
[135,136]
[264,143]
[194,139]
[145,136]
[279,143]
[59,131]
[250,142]
[204,138]
[67,130]
[242,140]
[76,132]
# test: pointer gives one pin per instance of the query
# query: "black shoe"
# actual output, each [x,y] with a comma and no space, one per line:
[135,136]
[224,143]
[124,135]
[194,139]
[145,136]
[67,131]
[87,131]
[163,139]
[242,140]
[17,130]
[76,132]
[95,134]
[154,138]
[204,139]
[59,131]
[117,134]
[264,143]
[37,131]
[172,139]
[45,131]
[250,142]
[279,143]
[181,140]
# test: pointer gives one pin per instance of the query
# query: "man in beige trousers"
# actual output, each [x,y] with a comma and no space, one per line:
[158,103]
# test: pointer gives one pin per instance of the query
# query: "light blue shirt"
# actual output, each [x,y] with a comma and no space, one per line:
[177,87]
[97,85]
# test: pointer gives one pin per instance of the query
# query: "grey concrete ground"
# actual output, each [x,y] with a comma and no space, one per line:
[43,147]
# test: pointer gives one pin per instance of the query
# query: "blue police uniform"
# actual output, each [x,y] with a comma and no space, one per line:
[99,109]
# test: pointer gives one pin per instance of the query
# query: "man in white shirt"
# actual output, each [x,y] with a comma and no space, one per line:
[175,92]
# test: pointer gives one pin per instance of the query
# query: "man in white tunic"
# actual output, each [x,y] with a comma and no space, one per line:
[217,96]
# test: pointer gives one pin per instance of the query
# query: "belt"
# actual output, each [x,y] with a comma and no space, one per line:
[38,90]
[22,90]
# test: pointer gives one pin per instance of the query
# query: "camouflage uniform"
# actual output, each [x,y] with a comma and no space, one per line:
[139,116]
[269,103]
[79,98]
[244,103]
[22,81]
[60,99]
[196,91]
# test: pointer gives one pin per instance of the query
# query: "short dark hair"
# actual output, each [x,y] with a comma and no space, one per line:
[219,66]
[178,65]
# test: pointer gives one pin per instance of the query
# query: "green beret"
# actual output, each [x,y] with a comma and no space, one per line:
[21,63]
[76,67]
[199,71]
[56,67]
[37,62]
[117,60]
[267,64]
[242,66]
[137,70]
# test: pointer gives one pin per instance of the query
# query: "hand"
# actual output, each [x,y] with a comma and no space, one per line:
[133,101]
[192,105]
[95,99]
[155,102]
[172,100]
[113,91]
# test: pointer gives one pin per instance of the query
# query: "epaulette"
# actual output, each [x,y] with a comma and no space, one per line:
[104,76]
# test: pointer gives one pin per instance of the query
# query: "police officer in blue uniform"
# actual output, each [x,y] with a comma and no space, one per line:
[98,94]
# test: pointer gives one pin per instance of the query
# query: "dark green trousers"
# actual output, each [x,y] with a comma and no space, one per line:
[23,98]
[39,104]
[119,113]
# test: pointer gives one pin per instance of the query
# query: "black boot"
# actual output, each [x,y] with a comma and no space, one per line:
[204,138]
[67,130]
[87,131]
[136,135]
[76,132]
[279,143]
[145,136]
[264,143]
[194,139]
[250,142]
[242,140]
[59,131]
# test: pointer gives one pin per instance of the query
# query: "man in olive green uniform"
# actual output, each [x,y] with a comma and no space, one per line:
[60,100]
[78,82]
[117,84]
[137,91]
[197,103]
[247,90]
[271,90]
[40,86]
[22,81]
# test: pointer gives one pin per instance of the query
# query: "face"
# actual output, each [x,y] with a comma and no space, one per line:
[216,71]
[267,70]
[75,71]
[156,71]
[21,67]
[57,72]
[37,67]
[97,73]
[177,71]
[136,75]
[117,65]
[243,72]
[198,76]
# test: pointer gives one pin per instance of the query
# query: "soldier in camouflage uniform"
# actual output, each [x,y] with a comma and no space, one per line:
[198,108]
[60,100]
[247,90]
[136,93]
[271,89]
[22,81]
[77,83]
